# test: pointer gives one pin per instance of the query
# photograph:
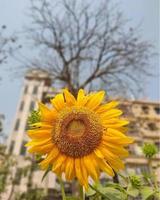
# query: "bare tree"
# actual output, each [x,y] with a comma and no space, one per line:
[8,45]
[88,44]
[5,44]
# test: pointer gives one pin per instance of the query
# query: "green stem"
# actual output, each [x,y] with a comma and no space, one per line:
[62,188]
[152,173]
[123,177]
[82,195]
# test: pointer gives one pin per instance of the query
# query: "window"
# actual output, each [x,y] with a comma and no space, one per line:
[23,149]
[22,106]
[157,110]
[133,127]
[26,127]
[35,89]
[145,109]
[157,144]
[152,126]
[31,106]
[144,169]
[17,125]
[11,147]
[68,188]
[25,89]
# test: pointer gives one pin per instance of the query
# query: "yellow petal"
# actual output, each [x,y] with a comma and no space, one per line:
[69,168]
[42,125]
[63,166]
[39,134]
[58,102]
[116,164]
[116,149]
[49,159]
[81,95]
[89,164]
[107,106]
[58,162]
[122,129]
[115,125]
[105,167]
[95,100]
[112,159]
[114,122]
[120,140]
[69,98]
[41,149]
[98,153]
[39,142]
[114,133]
[106,153]
[81,98]
[47,115]
[111,114]
[79,171]
[84,174]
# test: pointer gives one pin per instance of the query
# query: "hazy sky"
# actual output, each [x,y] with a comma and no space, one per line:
[14,15]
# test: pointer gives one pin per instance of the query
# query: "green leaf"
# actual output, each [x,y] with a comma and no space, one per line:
[132,191]
[147,192]
[90,192]
[34,118]
[157,195]
[116,186]
[113,193]
[109,193]
[46,172]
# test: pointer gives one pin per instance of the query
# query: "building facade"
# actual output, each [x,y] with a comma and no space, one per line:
[36,85]
[144,127]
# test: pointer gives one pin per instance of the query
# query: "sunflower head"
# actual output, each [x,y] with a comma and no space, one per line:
[80,137]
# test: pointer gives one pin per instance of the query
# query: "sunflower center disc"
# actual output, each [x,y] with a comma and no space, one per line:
[76,128]
[77,132]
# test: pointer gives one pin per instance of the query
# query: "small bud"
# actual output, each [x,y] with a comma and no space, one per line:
[149,150]
[135,181]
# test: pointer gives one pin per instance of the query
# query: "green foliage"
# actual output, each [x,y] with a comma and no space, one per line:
[5,164]
[135,181]
[38,158]
[147,192]
[2,149]
[107,192]
[46,172]
[149,150]
[132,191]
[34,118]
[18,176]
[35,194]
[136,188]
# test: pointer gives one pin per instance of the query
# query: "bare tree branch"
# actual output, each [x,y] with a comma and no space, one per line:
[88,43]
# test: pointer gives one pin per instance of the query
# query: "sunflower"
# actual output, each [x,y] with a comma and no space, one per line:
[80,137]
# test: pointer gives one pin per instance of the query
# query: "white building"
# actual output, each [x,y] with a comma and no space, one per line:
[36,87]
